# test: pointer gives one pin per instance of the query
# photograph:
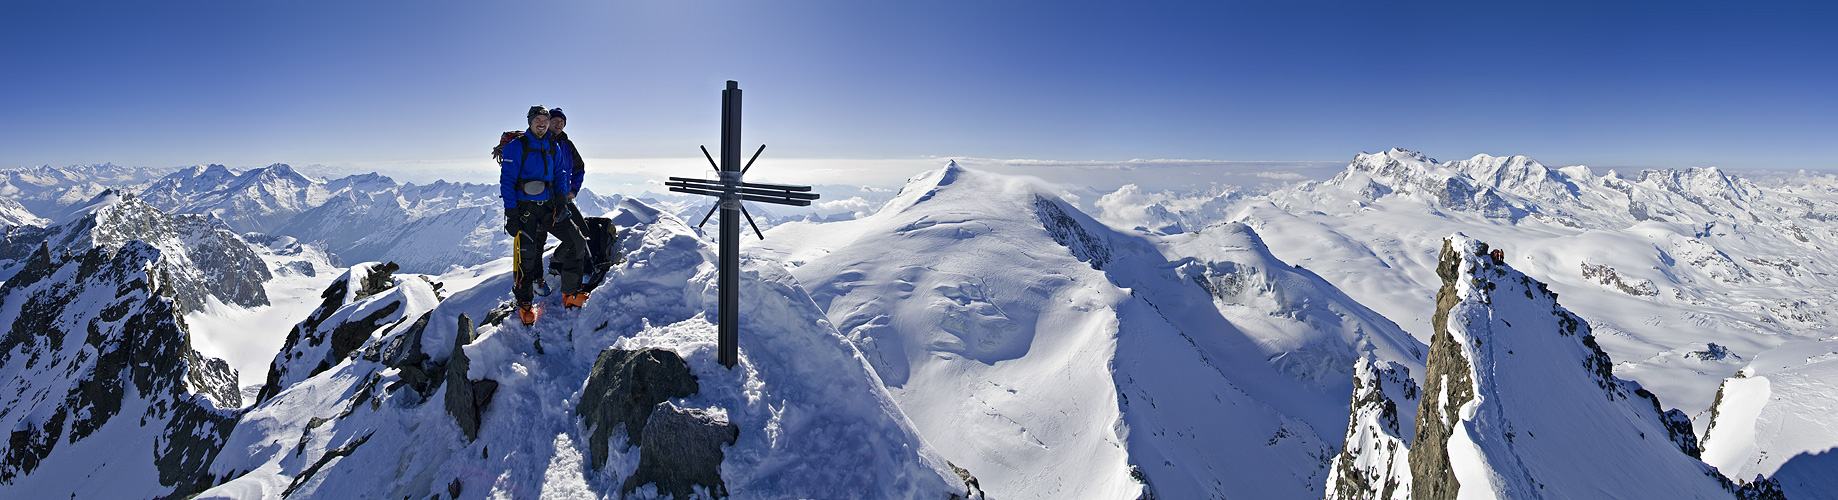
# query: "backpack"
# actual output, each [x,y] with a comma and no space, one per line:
[602,250]
[497,153]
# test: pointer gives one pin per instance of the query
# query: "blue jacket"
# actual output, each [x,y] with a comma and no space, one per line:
[542,164]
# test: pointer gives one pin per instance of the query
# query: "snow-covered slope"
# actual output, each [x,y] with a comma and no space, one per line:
[1055,356]
[181,188]
[472,408]
[104,396]
[200,257]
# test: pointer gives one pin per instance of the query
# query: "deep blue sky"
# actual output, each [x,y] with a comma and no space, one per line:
[1733,84]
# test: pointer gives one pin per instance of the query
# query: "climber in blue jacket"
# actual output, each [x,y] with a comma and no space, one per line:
[536,185]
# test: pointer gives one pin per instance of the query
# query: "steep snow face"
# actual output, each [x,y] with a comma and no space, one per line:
[1052,355]
[1775,419]
[106,398]
[1663,262]
[1521,403]
[813,421]
[201,258]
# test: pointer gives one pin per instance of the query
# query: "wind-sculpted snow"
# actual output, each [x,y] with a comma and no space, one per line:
[366,299]
[812,419]
[201,258]
[106,397]
[1052,355]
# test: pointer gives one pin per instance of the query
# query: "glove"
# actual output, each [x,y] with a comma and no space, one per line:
[510,221]
[561,212]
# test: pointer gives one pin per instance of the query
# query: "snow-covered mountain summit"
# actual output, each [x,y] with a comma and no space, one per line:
[199,256]
[256,200]
[1093,361]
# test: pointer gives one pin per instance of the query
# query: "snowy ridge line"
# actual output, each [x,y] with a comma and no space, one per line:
[1507,413]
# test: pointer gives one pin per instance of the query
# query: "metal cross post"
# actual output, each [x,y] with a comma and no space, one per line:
[731,191]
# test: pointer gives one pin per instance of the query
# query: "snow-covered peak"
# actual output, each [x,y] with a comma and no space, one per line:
[105,199]
[368,183]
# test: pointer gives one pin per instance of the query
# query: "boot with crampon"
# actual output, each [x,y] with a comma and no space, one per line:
[574,300]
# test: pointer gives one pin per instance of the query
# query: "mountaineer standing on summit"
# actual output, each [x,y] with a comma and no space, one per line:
[535,184]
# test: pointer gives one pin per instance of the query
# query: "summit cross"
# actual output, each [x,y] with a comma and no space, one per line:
[730,191]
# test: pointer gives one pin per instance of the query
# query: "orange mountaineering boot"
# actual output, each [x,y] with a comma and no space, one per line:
[574,300]
[528,313]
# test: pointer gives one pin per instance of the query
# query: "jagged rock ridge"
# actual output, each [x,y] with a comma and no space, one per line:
[107,382]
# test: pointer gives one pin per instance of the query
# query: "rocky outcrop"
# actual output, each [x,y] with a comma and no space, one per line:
[1087,247]
[624,388]
[466,398]
[682,449]
[95,335]
[1448,386]
[1607,276]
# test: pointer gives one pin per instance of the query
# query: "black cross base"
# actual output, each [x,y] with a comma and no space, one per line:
[731,191]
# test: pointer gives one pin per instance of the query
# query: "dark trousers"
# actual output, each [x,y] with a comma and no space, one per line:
[586,249]
[534,223]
